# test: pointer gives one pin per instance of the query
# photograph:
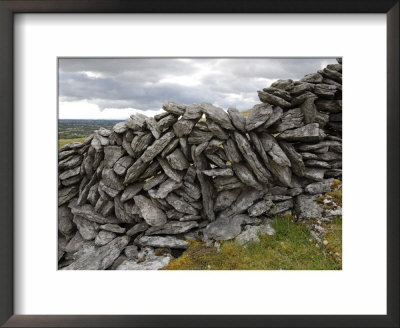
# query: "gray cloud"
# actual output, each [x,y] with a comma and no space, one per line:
[145,83]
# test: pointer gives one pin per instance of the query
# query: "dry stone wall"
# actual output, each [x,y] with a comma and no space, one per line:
[131,198]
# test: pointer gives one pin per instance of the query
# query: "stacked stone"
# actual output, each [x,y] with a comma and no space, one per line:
[130,198]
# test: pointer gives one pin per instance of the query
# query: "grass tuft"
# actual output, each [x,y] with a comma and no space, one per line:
[63,142]
[289,249]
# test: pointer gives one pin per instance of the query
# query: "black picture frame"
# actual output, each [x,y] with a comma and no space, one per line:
[10,7]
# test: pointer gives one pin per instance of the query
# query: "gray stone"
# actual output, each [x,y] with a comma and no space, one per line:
[245,148]
[331,74]
[120,127]
[75,243]
[66,153]
[216,130]
[183,127]
[110,179]
[170,147]
[308,133]
[140,143]
[134,172]
[166,187]
[260,207]
[218,115]
[154,181]
[277,198]
[319,187]
[279,93]
[331,106]
[224,228]
[190,217]
[151,214]
[107,192]
[70,162]
[111,155]
[198,136]
[259,114]
[87,229]
[309,109]
[169,171]
[217,160]
[237,118]
[232,152]
[273,149]
[315,174]
[137,228]
[306,207]
[283,84]
[227,172]
[147,260]
[295,158]
[276,115]
[246,176]
[166,122]
[312,78]
[326,91]
[122,165]
[131,252]
[177,160]
[153,126]
[112,228]
[322,119]
[70,173]
[172,228]
[250,233]
[213,146]
[225,199]
[335,67]
[317,146]
[157,241]
[193,190]
[66,194]
[245,199]
[295,191]
[301,88]
[104,237]
[185,147]
[293,118]
[174,108]
[151,170]
[131,191]
[157,146]
[101,258]
[136,122]
[282,206]
[180,205]
[193,112]
[65,216]
[266,97]
[316,163]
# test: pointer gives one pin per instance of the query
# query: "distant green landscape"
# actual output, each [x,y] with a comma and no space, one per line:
[79,130]
[71,129]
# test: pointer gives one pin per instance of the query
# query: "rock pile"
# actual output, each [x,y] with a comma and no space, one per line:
[130,198]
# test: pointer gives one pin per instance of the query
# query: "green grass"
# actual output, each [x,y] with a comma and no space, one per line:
[290,249]
[63,142]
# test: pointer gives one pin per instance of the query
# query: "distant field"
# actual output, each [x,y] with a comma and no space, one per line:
[70,129]
[62,142]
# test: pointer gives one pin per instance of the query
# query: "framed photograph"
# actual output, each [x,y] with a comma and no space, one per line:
[208,164]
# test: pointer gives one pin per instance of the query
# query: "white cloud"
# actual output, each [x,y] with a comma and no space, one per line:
[84,110]
[114,88]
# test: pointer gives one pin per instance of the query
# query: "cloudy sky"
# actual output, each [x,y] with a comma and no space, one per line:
[116,88]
